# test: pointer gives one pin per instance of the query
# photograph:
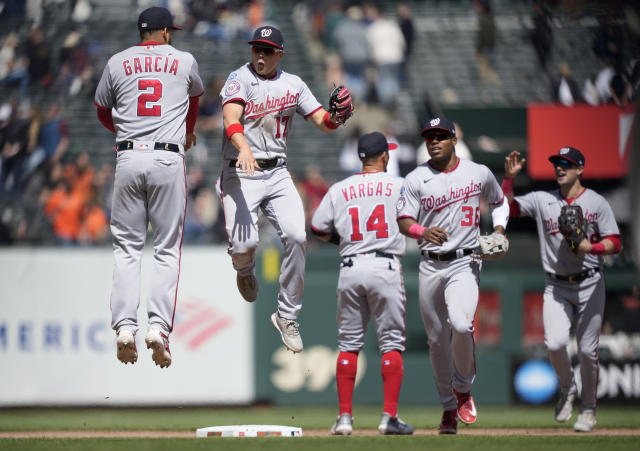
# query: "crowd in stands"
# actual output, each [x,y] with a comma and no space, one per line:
[50,192]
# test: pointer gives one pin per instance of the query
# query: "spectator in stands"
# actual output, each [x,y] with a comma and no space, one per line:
[14,139]
[620,88]
[210,109]
[314,187]
[39,54]
[93,223]
[405,22]
[603,83]
[13,67]
[351,42]
[349,161]
[565,90]
[485,41]
[329,20]
[589,91]
[387,47]
[542,33]
[64,208]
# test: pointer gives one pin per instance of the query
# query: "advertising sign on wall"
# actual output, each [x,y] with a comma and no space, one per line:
[57,346]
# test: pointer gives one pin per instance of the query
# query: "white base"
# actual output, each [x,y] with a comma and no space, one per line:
[249,430]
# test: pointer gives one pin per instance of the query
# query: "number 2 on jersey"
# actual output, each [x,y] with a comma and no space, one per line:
[376,223]
[470,218]
[154,96]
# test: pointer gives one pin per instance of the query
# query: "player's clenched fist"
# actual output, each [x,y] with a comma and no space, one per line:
[435,235]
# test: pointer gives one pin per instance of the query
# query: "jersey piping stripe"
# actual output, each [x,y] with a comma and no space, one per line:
[184,217]
[438,210]
[235,99]
[499,202]
[318,231]
[319,108]
[406,216]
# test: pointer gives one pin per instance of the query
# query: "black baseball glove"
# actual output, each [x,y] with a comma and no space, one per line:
[340,104]
[570,225]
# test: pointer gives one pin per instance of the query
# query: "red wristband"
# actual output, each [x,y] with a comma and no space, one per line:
[327,122]
[415,231]
[233,129]
[507,186]
[597,249]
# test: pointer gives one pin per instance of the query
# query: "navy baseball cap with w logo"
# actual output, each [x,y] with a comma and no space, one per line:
[570,154]
[439,123]
[156,18]
[268,35]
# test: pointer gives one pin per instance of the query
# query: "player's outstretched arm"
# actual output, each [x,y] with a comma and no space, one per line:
[323,121]
[231,114]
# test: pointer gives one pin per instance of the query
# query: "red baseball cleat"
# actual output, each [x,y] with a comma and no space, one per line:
[449,423]
[466,408]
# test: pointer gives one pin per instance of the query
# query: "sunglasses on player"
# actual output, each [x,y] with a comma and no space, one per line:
[430,137]
[564,164]
[265,50]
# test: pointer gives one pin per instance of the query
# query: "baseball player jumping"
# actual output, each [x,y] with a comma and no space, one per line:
[440,207]
[148,95]
[574,293]
[259,101]
[358,213]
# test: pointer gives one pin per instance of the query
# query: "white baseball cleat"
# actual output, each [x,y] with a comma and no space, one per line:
[159,344]
[127,351]
[564,407]
[289,332]
[343,425]
[586,421]
[247,286]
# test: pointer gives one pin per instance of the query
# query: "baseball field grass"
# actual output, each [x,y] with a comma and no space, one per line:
[157,429]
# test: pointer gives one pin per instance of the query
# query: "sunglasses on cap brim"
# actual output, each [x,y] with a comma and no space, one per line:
[264,49]
[440,136]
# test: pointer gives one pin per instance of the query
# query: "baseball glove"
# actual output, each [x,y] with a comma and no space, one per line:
[340,104]
[493,246]
[570,225]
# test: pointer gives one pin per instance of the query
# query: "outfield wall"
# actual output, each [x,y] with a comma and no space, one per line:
[57,347]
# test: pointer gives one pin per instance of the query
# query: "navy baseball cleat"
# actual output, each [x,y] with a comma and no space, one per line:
[393,426]
[449,423]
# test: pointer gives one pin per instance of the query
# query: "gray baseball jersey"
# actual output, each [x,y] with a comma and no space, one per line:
[448,290]
[361,209]
[544,207]
[269,106]
[568,303]
[148,87]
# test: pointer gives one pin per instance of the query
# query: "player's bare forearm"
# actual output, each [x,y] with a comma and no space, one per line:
[317,119]
[404,224]
[190,141]
[585,247]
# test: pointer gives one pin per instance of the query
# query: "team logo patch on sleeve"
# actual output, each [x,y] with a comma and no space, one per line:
[232,88]
[402,202]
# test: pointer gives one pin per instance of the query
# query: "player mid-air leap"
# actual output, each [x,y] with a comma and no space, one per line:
[148,96]
[259,102]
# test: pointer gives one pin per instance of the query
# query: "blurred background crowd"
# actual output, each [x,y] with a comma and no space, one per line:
[403,61]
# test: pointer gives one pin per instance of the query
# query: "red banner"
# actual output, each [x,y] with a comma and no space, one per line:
[603,134]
